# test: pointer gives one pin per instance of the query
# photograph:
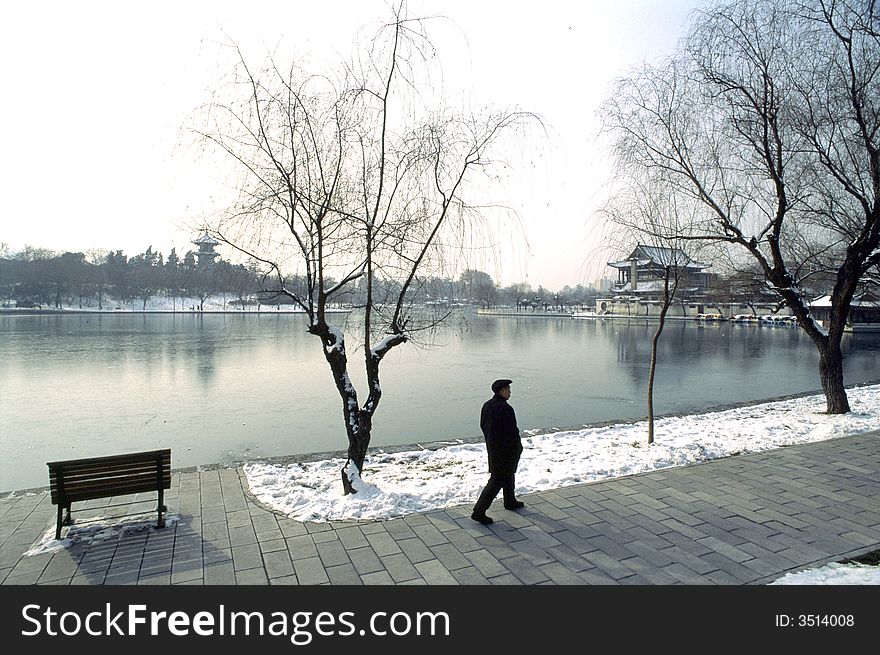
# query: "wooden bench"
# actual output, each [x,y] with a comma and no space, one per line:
[101,477]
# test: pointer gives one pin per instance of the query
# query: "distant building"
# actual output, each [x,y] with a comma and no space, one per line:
[864,310]
[642,273]
[638,289]
[205,256]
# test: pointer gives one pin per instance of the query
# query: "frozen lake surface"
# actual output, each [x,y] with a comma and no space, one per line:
[226,388]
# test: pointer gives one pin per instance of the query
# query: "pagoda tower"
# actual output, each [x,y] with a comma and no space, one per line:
[205,256]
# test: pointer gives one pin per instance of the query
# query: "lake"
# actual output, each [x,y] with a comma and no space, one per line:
[222,388]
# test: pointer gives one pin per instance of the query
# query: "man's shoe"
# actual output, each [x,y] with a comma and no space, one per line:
[516,504]
[481,518]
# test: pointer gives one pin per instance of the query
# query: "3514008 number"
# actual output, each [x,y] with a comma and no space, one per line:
[826,620]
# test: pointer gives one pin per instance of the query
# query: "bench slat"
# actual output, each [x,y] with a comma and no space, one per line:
[115,481]
[104,471]
[103,492]
[110,458]
[113,459]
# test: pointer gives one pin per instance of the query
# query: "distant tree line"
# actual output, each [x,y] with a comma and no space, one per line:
[477,288]
[104,279]
[98,277]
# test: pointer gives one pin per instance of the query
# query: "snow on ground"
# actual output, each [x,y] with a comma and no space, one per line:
[833,574]
[421,480]
[103,528]
[396,484]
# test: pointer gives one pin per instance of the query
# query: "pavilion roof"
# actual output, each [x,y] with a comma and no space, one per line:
[206,239]
[646,255]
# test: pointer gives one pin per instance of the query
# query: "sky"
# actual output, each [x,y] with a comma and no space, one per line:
[94,155]
[401,483]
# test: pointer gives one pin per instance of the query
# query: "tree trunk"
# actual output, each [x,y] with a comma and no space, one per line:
[358,443]
[651,380]
[357,428]
[828,345]
[358,422]
[831,376]
[653,370]
[667,300]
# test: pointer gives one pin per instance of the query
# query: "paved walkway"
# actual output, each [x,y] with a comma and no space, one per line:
[739,520]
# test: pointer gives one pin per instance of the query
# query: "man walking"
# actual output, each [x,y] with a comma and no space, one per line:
[503,444]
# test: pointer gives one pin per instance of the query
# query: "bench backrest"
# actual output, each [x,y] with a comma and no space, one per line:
[99,477]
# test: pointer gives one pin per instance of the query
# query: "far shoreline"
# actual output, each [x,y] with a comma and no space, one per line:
[7,311]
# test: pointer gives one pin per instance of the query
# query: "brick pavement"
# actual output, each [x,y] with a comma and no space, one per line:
[740,520]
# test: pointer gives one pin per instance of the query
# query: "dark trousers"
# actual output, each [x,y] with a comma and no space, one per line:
[496,483]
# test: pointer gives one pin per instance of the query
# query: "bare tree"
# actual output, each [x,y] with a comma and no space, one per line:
[637,214]
[352,176]
[97,275]
[477,286]
[769,118]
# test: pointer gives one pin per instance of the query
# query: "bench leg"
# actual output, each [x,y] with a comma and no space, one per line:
[68,520]
[161,508]
[58,523]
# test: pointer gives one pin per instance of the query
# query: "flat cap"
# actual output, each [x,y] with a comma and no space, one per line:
[498,385]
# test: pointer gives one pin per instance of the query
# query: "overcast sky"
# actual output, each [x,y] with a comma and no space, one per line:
[95,94]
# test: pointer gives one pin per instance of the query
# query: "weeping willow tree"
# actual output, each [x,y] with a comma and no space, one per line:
[351,180]
[768,119]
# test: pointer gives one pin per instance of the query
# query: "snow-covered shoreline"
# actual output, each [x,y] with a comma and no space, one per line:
[410,481]
[407,481]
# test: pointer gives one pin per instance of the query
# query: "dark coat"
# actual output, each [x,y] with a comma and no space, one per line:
[498,422]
